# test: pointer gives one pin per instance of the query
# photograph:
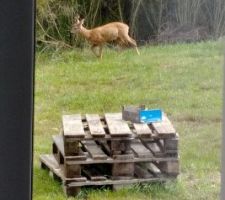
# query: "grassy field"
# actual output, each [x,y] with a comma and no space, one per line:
[185,80]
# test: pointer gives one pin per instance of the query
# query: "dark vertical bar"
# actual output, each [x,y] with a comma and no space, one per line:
[16,98]
[222,193]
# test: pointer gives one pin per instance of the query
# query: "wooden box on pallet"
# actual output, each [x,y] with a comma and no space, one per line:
[94,150]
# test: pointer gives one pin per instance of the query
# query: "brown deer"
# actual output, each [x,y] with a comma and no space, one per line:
[111,32]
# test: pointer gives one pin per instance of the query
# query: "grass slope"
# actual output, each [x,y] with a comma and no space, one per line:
[185,80]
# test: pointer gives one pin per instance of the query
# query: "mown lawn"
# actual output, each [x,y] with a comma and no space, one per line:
[185,80]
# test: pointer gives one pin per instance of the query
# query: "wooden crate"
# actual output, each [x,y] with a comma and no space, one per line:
[105,150]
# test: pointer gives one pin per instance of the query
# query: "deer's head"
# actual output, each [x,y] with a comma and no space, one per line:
[77,25]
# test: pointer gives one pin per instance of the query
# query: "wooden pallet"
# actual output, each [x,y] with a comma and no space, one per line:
[105,150]
[149,172]
[94,154]
[111,125]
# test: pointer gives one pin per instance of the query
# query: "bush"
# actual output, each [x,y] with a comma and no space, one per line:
[148,19]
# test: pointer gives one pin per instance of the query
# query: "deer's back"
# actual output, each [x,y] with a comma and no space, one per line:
[108,32]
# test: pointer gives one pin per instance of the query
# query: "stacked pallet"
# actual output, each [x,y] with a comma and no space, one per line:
[94,150]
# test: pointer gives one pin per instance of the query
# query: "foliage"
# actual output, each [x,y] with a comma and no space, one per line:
[147,18]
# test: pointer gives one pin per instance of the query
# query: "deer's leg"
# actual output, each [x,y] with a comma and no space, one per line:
[120,44]
[133,43]
[100,51]
[93,48]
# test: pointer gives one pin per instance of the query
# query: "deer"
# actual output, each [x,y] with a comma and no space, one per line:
[112,32]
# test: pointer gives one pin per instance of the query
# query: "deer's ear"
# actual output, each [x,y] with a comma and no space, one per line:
[82,21]
[76,21]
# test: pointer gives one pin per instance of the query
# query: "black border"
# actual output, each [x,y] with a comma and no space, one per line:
[16,98]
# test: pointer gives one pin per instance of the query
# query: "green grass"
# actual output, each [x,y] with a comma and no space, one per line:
[185,80]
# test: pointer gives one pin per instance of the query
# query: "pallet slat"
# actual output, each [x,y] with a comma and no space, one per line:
[164,127]
[153,169]
[116,159]
[94,150]
[142,130]
[140,150]
[153,147]
[171,144]
[58,141]
[117,127]
[93,174]
[95,125]
[170,167]
[72,126]
[141,172]
[51,163]
[118,182]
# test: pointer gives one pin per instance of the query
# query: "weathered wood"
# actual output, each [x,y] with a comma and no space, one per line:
[104,145]
[124,157]
[94,150]
[58,155]
[153,169]
[154,148]
[50,163]
[170,167]
[95,125]
[76,183]
[72,171]
[171,144]
[75,152]
[58,143]
[107,137]
[81,157]
[93,174]
[118,182]
[71,148]
[140,150]
[116,152]
[117,127]
[120,147]
[142,130]
[120,128]
[72,126]
[140,172]
[164,127]
[123,170]
[110,160]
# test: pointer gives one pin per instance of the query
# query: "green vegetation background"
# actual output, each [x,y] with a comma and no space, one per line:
[185,80]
